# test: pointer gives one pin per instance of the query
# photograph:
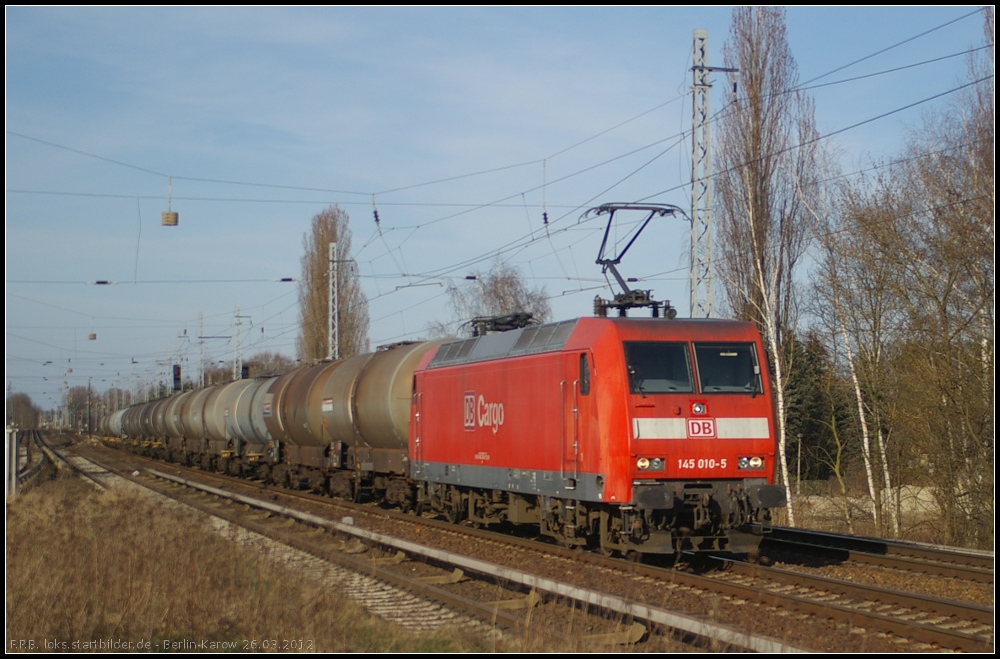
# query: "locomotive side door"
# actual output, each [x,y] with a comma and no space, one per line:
[575,396]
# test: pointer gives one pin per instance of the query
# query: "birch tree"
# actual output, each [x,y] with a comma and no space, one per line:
[859,288]
[766,157]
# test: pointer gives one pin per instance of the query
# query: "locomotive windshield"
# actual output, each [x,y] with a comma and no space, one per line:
[658,368]
[728,367]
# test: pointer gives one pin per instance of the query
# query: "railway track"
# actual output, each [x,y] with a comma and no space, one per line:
[928,622]
[908,556]
[803,612]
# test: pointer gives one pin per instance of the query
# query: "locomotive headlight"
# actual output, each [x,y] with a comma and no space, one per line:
[755,462]
[654,464]
[698,408]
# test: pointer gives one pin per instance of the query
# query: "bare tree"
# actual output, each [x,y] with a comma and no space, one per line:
[499,292]
[116,398]
[859,286]
[76,402]
[21,412]
[268,363]
[908,270]
[330,226]
[945,252]
[766,155]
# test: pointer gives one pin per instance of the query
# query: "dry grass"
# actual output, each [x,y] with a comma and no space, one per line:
[84,566]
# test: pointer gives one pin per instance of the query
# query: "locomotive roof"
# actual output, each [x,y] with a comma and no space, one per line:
[550,337]
[524,341]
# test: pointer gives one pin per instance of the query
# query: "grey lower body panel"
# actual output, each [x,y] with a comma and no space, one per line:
[582,487]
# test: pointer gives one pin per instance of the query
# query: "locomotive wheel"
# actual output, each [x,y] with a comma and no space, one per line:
[454,511]
[605,535]
[454,514]
[477,517]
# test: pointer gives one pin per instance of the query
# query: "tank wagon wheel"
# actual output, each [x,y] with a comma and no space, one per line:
[570,542]
[607,552]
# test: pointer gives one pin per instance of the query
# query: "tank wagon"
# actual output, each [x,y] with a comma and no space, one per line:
[626,435]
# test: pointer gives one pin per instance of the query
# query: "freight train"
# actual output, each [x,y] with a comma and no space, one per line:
[627,435]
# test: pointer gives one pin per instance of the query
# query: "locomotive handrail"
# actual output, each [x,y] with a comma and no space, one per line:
[418,427]
[562,430]
[576,430]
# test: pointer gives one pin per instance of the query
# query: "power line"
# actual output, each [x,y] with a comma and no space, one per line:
[468,207]
[151,281]
[895,45]
[835,132]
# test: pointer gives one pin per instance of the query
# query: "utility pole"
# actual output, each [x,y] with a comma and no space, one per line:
[702,297]
[201,349]
[238,362]
[333,340]
[702,282]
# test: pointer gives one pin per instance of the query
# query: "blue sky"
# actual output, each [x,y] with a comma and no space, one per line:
[461,125]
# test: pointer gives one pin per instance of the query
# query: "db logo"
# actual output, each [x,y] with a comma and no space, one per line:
[470,410]
[698,428]
[477,412]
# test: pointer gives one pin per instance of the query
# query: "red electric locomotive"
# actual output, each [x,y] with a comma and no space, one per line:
[643,435]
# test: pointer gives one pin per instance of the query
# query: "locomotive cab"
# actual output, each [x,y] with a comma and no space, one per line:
[702,435]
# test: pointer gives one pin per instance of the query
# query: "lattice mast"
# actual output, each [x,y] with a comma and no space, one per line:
[702,294]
